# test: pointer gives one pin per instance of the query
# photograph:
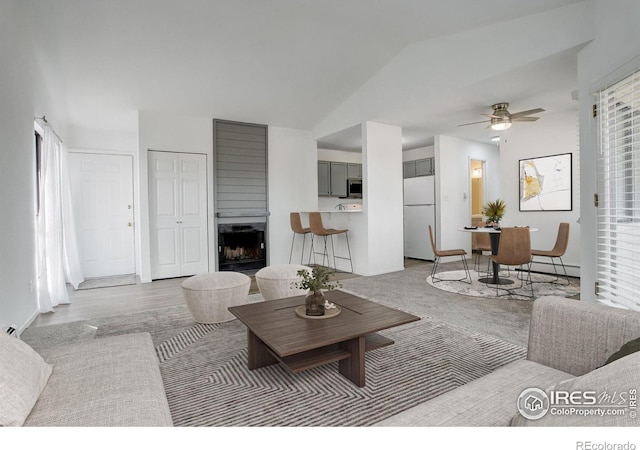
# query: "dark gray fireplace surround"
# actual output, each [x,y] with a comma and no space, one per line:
[240,185]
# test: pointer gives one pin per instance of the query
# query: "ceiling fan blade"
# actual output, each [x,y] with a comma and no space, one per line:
[473,123]
[527,113]
[492,116]
[524,119]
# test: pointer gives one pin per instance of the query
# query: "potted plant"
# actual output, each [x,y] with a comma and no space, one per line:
[316,281]
[494,211]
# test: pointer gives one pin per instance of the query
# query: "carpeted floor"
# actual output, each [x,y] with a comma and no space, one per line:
[459,338]
[204,368]
[515,291]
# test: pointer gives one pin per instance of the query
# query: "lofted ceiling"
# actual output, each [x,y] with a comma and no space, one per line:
[287,63]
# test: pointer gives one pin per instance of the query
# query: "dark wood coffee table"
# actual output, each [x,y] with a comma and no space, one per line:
[277,335]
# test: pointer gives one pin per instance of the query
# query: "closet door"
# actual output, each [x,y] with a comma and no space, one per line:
[178,214]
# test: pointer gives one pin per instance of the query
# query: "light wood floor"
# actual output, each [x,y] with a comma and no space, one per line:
[112,301]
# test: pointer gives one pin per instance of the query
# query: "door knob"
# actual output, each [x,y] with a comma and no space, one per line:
[130,224]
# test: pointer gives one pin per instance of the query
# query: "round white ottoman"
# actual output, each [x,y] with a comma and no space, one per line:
[208,295]
[277,281]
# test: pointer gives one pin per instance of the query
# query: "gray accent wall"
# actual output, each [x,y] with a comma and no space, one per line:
[240,169]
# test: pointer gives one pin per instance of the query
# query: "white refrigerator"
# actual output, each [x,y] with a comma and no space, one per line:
[419,213]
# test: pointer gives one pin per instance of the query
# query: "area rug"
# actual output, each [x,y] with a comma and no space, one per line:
[102,282]
[204,368]
[541,286]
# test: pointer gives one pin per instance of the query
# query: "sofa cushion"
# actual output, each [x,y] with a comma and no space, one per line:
[487,401]
[111,381]
[23,376]
[616,380]
[627,349]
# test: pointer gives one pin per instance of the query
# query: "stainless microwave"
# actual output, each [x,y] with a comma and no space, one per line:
[354,187]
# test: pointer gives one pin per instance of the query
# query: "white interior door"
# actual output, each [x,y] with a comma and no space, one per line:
[102,193]
[178,214]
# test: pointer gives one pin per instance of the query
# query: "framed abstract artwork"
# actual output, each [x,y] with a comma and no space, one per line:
[546,183]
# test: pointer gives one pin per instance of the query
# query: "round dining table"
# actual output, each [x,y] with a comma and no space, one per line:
[494,238]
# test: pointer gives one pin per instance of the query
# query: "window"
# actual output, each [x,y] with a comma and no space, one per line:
[618,227]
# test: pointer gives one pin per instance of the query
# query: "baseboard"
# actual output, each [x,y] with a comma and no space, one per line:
[28,322]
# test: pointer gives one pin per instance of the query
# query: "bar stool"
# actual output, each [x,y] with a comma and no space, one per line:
[318,229]
[296,227]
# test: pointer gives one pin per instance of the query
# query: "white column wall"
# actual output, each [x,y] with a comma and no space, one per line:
[293,186]
[613,54]
[453,187]
[172,133]
[382,198]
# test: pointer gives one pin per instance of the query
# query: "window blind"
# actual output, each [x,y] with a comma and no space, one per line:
[618,227]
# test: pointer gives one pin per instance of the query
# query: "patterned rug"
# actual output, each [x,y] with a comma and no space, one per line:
[541,286]
[204,368]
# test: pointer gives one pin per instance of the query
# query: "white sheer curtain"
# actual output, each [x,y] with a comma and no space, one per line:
[54,259]
[72,268]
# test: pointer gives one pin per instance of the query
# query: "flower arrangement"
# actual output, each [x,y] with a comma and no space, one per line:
[494,210]
[317,280]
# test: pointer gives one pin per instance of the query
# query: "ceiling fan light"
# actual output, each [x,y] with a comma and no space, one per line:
[500,123]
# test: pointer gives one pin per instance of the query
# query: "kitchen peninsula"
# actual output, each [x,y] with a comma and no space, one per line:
[347,216]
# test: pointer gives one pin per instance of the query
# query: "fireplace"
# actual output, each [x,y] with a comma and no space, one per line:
[242,247]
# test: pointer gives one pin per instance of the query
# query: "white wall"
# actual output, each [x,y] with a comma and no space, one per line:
[453,186]
[25,94]
[551,135]
[293,186]
[419,153]
[171,133]
[101,140]
[613,54]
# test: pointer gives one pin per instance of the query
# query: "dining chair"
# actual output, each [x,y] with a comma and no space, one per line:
[558,251]
[482,243]
[297,228]
[318,229]
[441,253]
[515,250]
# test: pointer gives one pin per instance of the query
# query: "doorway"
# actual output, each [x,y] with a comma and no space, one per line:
[477,190]
[102,196]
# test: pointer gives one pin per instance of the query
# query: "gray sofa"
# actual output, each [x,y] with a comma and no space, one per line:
[569,343]
[112,381]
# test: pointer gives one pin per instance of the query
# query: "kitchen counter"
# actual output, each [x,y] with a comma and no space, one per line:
[334,211]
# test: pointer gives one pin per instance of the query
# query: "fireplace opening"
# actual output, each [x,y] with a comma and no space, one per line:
[241,247]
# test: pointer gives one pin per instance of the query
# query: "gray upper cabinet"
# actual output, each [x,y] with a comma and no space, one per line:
[339,179]
[354,170]
[409,169]
[324,178]
[423,167]
[419,168]
[332,177]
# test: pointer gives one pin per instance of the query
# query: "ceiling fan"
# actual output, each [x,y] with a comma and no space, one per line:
[501,119]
